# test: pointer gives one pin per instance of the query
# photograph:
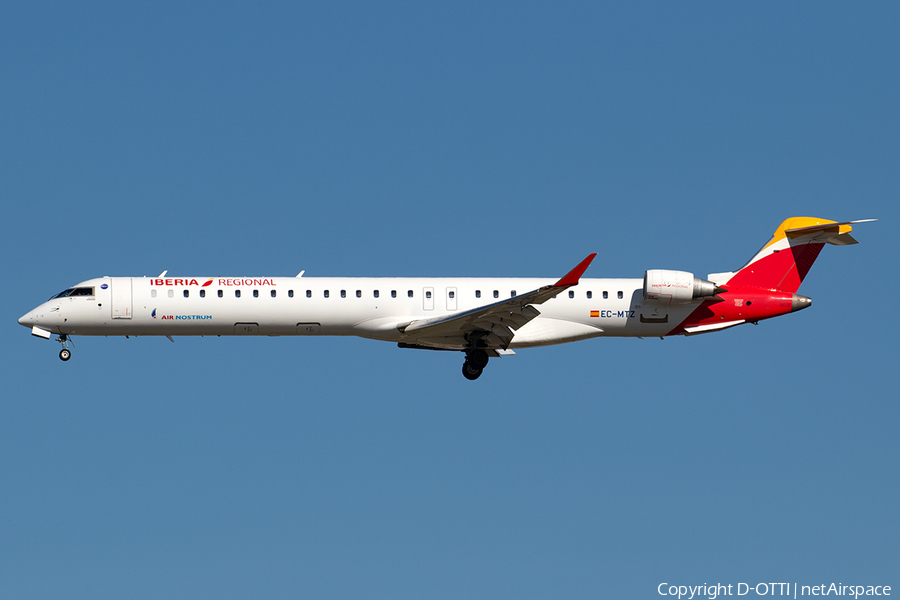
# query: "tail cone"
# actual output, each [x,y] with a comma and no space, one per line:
[799,302]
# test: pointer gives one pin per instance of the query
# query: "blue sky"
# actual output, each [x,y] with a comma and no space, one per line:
[479,139]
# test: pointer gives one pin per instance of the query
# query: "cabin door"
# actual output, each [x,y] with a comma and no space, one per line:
[121,297]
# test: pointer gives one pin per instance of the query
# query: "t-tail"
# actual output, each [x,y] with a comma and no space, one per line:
[782,264]
[767,286]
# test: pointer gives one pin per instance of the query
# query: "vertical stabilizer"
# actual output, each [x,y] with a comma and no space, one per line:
[784,261]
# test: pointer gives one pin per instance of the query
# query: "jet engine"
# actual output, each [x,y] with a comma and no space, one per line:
[676,287]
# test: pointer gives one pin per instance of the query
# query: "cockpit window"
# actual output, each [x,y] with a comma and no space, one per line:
[82,291]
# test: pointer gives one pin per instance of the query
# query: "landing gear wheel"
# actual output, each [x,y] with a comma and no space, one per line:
[64,354]
[478,359]
[470,372]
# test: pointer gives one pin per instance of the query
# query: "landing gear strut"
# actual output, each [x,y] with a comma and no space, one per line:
[64,354]
[476,361]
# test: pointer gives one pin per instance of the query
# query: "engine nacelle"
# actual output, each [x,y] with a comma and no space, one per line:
[676,287]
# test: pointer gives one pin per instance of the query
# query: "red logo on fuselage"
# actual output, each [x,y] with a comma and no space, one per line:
[175,282]
[222,282]
[234,282]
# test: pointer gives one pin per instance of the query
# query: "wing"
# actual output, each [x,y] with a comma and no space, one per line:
[493,324]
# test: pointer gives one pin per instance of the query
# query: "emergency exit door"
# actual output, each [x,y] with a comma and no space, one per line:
[451,298]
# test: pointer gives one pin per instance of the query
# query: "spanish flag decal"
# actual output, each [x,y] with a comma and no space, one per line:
[595,313]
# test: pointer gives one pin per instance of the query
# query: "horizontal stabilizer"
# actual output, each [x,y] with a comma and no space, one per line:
[825,226]
[837,234]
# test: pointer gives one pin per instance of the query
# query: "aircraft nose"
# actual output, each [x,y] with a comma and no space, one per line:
[26,319]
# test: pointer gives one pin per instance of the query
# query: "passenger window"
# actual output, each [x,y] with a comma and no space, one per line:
[186,293]
[478,293]
[376,293]
[359,293]
[409,293]
[343,293]
[605,295]
[256,293]
[170,293]
[273,293]
[428,295]
[453,294]
[571,294]
[153,293]
[326,293]
[309,293]
[590,295]
[621,295]
[203,293]
[512,294]
[221,294]
[290,293]
[393,293]
[237,293]
[496,294]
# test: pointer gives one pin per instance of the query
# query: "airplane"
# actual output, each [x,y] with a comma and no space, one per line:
[482,317]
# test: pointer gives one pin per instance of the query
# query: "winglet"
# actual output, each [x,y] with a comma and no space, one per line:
[575,274]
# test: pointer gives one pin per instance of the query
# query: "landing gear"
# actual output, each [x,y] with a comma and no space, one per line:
[476,361]
[478,358]
[470,372]
[64,354]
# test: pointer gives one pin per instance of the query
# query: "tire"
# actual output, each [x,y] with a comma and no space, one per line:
[478,359]
[469,372]
[65,354]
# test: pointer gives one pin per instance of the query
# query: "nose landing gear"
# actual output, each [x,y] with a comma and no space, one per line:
[64,354]
[476,361]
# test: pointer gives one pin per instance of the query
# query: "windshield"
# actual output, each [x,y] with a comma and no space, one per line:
[82,291]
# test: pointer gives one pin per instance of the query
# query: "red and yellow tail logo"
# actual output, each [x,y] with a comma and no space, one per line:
[783,263]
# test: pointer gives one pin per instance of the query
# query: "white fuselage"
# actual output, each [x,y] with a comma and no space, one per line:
[375,308]
[482,317]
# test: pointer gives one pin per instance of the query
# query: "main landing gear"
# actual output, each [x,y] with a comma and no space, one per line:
[476,361]
[64,354]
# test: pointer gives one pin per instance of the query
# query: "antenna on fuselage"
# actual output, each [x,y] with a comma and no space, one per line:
[300,274]
[163,274]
